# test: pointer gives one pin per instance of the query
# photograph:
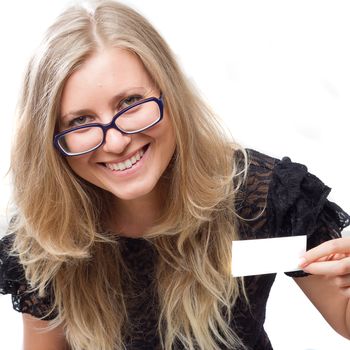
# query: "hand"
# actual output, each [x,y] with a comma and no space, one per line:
[332,260]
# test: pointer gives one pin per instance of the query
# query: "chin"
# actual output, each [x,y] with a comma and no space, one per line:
[133,194]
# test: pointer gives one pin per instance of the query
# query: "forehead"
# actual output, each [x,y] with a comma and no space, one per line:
[107,72]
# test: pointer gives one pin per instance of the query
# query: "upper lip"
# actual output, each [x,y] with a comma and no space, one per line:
[128,156]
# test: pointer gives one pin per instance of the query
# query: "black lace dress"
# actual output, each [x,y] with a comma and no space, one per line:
[296,204]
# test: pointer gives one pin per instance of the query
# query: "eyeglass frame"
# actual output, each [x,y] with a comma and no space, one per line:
[110,125]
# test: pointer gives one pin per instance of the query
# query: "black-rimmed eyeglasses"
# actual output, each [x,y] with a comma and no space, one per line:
[136,118]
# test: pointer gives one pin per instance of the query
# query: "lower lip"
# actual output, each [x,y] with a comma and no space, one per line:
[130,171]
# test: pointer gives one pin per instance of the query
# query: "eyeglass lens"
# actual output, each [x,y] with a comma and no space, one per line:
[135,119]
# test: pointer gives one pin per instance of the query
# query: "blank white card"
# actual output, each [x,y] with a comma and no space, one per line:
[267,255]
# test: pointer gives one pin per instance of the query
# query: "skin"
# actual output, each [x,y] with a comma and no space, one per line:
[34,340]
[100,88]
[138,198]
[328,287]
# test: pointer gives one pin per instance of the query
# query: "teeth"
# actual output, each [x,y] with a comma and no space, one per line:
[127,163]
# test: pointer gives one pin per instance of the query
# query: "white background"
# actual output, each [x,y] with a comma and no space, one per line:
[278,74]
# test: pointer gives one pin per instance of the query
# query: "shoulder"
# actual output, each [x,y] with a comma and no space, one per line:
[11,271]
[278,182]
[252,199]
[258,160]
[284,195]
[13,281]
[260,169]
[281,197]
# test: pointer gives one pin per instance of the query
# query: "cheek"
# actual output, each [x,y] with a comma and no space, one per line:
[170,138]
[165,133]
[169,131]
[165,140]
[78,165]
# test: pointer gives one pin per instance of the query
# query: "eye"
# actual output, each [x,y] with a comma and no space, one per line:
[130,100]
[82,120]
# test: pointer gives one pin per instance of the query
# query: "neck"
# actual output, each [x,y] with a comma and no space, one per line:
[134,217]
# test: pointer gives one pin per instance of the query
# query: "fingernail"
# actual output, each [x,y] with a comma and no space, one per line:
[302,262]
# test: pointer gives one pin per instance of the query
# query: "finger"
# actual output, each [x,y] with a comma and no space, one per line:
[303,263]
[334,246]
[345,291]
[329,268]
[342,281]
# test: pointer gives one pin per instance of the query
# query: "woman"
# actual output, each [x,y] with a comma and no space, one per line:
[128,196]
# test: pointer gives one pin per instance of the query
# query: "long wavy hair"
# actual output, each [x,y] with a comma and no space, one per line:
[60,232]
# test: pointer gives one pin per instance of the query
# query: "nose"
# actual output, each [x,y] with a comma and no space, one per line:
[115,141]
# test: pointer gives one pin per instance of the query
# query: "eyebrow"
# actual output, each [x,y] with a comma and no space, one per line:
[115,98]
[77,113]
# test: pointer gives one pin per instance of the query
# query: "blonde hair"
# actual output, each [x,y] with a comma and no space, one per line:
[60,236]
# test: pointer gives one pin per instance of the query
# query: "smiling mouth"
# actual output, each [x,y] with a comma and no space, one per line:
[129,163]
